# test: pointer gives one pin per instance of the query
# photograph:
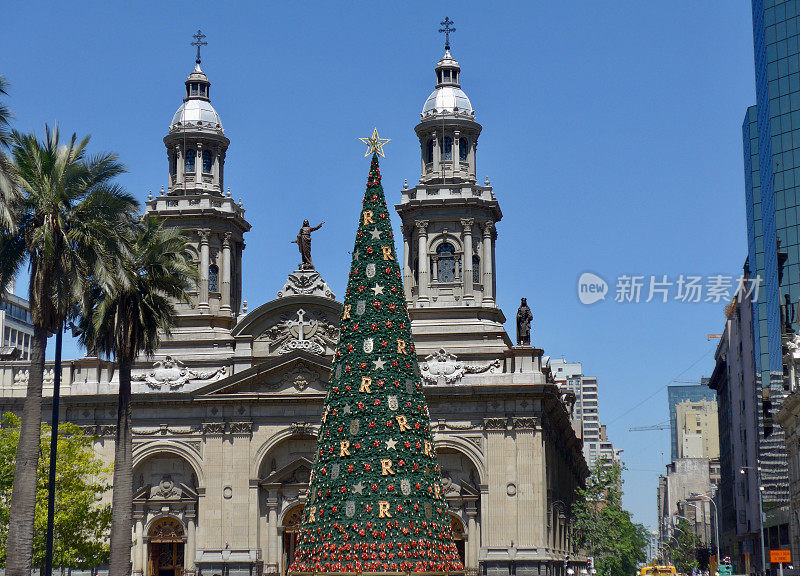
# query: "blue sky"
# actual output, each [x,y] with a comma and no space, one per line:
[611,135]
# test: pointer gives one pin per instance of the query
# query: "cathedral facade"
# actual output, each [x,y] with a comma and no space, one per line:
[225,414]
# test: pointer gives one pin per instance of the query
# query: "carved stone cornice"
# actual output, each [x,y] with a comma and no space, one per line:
[213,428]
[164,429]
[531,423]
[99,430]
[495,423]
[241,428]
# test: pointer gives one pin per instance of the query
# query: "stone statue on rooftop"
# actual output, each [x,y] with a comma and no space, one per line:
[524,317]
[303,242]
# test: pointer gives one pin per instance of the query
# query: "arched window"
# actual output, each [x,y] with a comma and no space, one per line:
[446,265]
[213,278]
[463,149]
[173,163]
[429,152]
[476,270]
[189,163]
[207,161]
[447,149]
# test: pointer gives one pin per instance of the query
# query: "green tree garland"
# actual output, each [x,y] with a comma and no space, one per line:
[375,499]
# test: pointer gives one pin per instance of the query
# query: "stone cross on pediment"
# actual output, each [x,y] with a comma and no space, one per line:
[300,324]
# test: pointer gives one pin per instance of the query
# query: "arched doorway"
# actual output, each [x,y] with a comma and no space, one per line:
[460,537]
[166,548]
[291,526]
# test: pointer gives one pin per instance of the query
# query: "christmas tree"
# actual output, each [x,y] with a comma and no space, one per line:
[375,501]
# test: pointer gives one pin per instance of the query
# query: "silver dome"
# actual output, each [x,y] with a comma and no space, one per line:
[447,99]
[194,111]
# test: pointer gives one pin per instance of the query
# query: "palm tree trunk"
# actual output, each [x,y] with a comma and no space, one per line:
[23,494]
[122,495]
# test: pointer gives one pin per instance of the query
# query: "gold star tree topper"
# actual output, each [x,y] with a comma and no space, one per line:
[375,143]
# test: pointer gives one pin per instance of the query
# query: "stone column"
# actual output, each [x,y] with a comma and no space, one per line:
[198,164]
[473,538]
[138,557]
[204,263]
[407,274]
[473,150]
[437,153]
[226,272]
[143,551]
[488,276]
[181,165]
[466,223]
[215,168]
[273,544]
[191,540]
[422,258]
[456,153]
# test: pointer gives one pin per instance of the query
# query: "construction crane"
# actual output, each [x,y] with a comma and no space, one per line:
[660,426]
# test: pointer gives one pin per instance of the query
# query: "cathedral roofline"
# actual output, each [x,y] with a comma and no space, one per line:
[410,205]
[247,322]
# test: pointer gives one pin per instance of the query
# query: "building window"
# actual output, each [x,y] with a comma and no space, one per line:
[476,271]
[447,149]
[194,89]
[189,164]
[446,265]
[213,278]
[416,270]
[207,161]
[463,149]
[429,152]
[173,163]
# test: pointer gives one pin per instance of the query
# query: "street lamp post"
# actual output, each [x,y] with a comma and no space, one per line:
[760,513]
[716,521]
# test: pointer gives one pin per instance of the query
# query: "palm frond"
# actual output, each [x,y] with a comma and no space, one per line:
[127,313]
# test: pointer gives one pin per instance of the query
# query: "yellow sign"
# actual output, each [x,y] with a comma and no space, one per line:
[780,556]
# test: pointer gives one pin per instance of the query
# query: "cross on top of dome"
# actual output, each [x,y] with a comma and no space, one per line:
[199,38]
[447,29]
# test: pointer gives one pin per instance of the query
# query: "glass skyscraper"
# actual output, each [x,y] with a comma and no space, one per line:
[771,150]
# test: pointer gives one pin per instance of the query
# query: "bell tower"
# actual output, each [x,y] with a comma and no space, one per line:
[449,227]
[195,201]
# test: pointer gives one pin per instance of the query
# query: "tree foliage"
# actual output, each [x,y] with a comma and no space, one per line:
[603,529]
[683,547]
[123,319]
[82,521]
[63,221]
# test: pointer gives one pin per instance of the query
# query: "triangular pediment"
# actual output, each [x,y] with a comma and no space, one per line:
[296,472]
[295,374]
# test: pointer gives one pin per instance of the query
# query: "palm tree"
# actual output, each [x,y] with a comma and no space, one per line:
[64,220]
[6,189]
[124,319]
